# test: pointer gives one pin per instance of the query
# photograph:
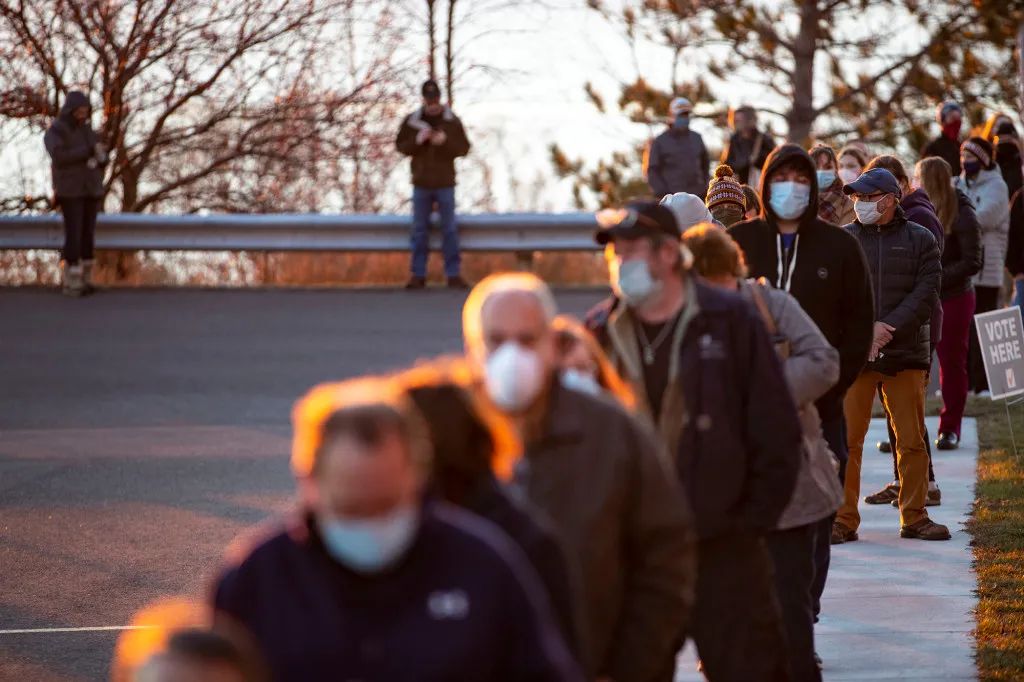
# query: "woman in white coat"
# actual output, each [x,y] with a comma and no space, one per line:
[982,181]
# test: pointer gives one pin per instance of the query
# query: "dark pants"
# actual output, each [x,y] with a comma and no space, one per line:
[792,554]
[423,202]
[834,431]
[957,330]
[736,622]
[79,228]
[986,300]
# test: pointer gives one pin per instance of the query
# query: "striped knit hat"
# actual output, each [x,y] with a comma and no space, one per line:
[982,149]
[724,188]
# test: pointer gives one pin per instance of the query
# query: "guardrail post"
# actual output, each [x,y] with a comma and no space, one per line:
[524,261]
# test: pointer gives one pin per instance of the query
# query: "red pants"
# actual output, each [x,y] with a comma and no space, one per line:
[957,328]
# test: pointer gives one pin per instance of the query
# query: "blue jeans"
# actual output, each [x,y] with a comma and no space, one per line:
[423,201]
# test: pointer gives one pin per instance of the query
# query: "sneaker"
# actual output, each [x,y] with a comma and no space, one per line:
[884,446]
[984,394]
[416,283]
[947,441]
[925,529]
[889,493]
[457,283]
[932,499]
[842,534]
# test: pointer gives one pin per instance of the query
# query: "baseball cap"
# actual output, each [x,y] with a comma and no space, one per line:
[680,105]
[431,90]
[635,220]
[874,181]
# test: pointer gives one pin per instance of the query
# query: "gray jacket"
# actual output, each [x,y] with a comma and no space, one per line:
[77,170]
[677,161]
[811,369]
[604,484]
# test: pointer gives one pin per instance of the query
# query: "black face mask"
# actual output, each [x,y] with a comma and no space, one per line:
[727,214]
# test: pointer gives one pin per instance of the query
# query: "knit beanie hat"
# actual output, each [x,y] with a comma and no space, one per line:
[724,188]
[982,149]
[945,109]
[688,209]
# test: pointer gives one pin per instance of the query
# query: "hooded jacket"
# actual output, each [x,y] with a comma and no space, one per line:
[71,146]
[944,148]
[462,603]
[829,275]
[991,202]
[919,209]
[433,166]
[961,253]
[905,270]
[677,161]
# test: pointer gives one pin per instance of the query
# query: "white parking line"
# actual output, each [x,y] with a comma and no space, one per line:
[102,628]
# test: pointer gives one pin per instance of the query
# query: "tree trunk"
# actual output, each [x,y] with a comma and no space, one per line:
[801,113]
[432,36]
[449,53]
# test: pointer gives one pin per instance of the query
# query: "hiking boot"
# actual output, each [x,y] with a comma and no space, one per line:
[73,284]
[457,283]
[925,529]
[889,494]
[842,534]
[884,446]
[947,441]
[932,499]
[87,287]
[416,283]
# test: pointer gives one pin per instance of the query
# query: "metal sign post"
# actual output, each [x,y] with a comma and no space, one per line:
[1001,337]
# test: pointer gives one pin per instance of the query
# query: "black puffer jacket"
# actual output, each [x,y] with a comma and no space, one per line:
[961,257]
[433,166]
[71,146]
[903,259]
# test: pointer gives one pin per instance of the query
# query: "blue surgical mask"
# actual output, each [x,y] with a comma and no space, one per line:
[826,178]
[370,545]
[682,121]
[789,199]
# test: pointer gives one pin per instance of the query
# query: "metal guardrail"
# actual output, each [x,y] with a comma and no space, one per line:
[508,232]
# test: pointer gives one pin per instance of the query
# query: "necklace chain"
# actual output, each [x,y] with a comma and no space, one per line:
[651,347]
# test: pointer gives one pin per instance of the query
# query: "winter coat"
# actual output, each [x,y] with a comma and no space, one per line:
[991,202]
[811,367]
[906,273]
[433,166]
[604,484]
[1009,162]
[830,276]
[76,169]
[919,209]
[961,255]
[1008,158]
[739,149]
[461,604]
[727,413]
[677,161]
[944,148]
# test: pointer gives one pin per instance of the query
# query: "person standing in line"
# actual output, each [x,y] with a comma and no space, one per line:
[78,158]
[919,210]
[433,137]
[833,206]
[599,476]
[752,203]
[1001,132]
[688,209]
[961,260]
[905,271]
[372,578]
[811,366]
[946,146]
[851,160]
[585,366]
[705,375]
[982,181]
[677,160]
[748,148]
[726,200]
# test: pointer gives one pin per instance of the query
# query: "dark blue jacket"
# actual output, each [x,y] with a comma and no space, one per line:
[461,605]
[71,145]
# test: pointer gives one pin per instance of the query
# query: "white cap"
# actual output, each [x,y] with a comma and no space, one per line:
[680,105]
[688,209]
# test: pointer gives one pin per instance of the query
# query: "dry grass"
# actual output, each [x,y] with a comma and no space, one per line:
[298,269]
[997,526]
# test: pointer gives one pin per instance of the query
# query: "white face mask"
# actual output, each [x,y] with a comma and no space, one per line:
[867,212]
[848,175]
[789,199]
[826,178]
[633,283]
[514,377]
[370,545]
[584,382]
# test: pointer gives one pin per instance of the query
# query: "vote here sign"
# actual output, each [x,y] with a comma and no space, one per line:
[1001,333]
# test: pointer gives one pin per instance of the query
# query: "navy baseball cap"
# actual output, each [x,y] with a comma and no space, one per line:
[874,181]
[636,219]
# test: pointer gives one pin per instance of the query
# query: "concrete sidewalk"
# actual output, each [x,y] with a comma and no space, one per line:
[900,609]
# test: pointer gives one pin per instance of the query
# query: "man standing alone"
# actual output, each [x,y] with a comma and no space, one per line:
[433,137]
[677,160]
